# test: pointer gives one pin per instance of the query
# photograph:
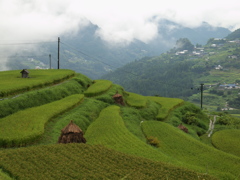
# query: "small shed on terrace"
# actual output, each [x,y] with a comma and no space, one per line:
[24,73]
[71,134]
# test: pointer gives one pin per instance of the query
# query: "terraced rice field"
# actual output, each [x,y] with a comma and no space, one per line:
[116,135]
[227,141]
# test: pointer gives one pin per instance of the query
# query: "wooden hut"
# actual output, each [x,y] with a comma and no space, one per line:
[24,73]
[183,128]
[118,99]
[71,134]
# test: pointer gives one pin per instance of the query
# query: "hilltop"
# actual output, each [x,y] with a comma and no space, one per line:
[134,138]
[180,71]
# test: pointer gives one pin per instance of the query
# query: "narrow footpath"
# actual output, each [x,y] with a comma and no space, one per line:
[211,125]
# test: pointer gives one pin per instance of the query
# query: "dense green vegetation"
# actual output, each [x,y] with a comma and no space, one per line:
[167,105]
[136,100]
[190,151]
[139,140]
[12,83]
[227,140]
[41,96]
[99,87]
[179,72]
[80,161]
[24,126]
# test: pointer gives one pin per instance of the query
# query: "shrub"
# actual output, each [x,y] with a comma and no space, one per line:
[153,141]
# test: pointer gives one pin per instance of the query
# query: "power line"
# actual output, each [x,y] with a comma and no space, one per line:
[94,58]
[91,57]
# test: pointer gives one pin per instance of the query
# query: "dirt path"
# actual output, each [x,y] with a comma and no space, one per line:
[211,125]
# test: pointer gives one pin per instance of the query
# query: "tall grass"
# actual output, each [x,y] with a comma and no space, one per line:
[39,97]
[99,87]
[83,161]
[109,130]
[136,100]
[107,97]
[167,104]
[227,140]
[12,83]
[192,153]
[82,115]
[25,126]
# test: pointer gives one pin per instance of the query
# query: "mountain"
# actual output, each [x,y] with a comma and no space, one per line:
[179,73]
[87,53]
[234,35]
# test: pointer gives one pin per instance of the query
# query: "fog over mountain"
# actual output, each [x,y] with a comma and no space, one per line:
[119,23]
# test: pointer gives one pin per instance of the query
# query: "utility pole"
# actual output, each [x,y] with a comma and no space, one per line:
[50,63]
[201,94]
[58,52]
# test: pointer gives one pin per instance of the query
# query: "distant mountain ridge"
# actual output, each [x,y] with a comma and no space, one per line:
[179,72]
[89,54]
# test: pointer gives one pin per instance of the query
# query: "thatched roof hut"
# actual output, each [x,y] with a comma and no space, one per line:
[71,134]
[183,128]
[118,99]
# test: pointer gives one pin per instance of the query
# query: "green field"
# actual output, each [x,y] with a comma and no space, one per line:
[118,136]
[228,141]
[99,87]
[192,153]
[136,100]
[24,126]
[12,83]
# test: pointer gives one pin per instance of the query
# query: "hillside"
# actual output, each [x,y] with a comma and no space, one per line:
[133,138]
[179,72]
[87,53]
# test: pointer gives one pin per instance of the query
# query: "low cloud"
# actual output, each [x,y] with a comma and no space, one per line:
[119,22]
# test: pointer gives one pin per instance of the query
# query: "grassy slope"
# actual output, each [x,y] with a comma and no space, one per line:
[167,104]
[11,83]
[116,128]
[227,140]
[192,153]
[109,130]
[24,126]
[82,161]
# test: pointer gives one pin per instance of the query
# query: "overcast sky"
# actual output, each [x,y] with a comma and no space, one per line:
[119,20]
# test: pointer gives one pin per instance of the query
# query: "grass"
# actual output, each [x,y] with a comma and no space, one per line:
[82,115]
[192,153]
[25,126]
[109,130]
[4,176]
[167,104]
[39,97]
[82,161]
[12,83]
[227,141]
[99,87]
[116,136]
[136,100]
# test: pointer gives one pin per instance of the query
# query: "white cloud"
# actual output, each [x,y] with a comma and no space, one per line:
[119,21]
